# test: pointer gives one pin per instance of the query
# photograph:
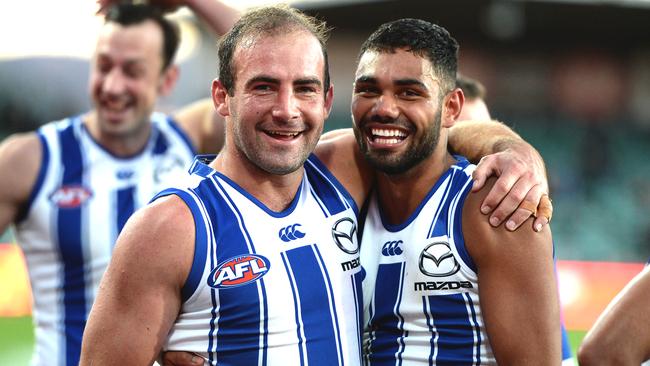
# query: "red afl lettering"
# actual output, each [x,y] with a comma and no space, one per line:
[70,196]
[239,271]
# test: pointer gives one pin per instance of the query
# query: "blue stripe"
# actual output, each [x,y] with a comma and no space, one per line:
[387,342]
[457,227]
[357,286]
[296,309]
[200,242]
[566,346]
[182,134]
[318,201]
[439,224]
[434,333]
[161,144]
[70,246]
[455,332]
[315,297]
[125,206]
[333,305]
[328,187]
[45,161]
[238,333]
[477,328]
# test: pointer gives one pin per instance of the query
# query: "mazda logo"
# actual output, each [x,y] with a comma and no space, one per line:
[344,234]
[437,260]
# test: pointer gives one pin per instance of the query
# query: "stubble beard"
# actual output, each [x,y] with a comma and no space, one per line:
[392,163]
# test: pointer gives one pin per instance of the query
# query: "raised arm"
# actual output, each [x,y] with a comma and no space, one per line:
[621,335]
[517,288]
[139,296]
[218,15]
[200,121]
[522,187]
[20,160]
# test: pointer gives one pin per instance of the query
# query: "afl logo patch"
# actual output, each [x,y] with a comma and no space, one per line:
[70,196]
[239,271]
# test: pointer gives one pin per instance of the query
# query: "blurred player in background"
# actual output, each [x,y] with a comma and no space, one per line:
[474,108]
[70,186]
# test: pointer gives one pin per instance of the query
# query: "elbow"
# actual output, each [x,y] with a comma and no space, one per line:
[591,353]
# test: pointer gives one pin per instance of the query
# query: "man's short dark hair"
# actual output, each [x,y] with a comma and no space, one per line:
[129,14]
[423,39]
[268,21]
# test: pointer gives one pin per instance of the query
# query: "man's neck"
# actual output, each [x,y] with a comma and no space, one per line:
[276,192]
[400,194]
[121,145]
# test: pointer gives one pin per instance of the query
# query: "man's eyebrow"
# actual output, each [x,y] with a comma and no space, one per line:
[410,82]
[262,79]
[366,79]
[308,81]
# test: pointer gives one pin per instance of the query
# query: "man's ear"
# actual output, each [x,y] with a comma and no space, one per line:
[329,100]
[451,107]
[220,98]
[168,80]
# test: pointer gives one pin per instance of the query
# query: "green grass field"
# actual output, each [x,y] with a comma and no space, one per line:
[17,340]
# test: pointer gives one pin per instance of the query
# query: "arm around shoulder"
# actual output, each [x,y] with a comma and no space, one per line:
[340,153]
[517,288]
[140,294]
[20,161]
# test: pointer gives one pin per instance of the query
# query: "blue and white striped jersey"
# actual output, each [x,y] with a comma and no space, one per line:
[421,302]
[80,202]
[271,288]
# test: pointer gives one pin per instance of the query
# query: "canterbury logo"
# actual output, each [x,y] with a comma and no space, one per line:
[437,260]
[391,248]
[290,233]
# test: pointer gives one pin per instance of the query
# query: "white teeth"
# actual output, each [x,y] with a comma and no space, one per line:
[387,133]
[290,134]
[386,141]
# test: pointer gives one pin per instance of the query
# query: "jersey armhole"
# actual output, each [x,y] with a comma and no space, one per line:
[459,238]
[200,241]
[45,161]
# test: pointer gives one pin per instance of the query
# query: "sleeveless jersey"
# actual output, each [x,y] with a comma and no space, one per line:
[421,286]
[271,288]
[81,200]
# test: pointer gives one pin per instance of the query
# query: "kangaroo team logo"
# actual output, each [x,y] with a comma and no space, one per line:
[437,260]
[72,196]
[239,271]
[344,233]
[290,233]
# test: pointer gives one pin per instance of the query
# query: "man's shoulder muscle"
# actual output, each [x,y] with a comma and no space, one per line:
[20,160]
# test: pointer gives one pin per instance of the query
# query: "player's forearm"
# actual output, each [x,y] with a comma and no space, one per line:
[621,335]
[219,16]
[474,139]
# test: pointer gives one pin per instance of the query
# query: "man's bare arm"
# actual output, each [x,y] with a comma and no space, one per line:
[522,185]
[218,15]
[621,335]
[20,160]
[517,288]
[140,294]
[204,126]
